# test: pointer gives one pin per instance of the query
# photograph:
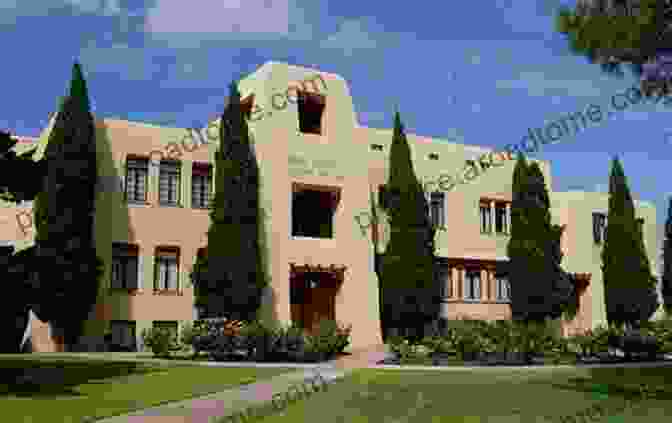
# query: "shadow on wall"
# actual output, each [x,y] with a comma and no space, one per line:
[112,225]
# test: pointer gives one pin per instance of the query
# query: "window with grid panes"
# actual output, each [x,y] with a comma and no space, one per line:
[486,218]
[599,226]
[166,269]
[437,209]
[472,285]
[502,287]
[124,266]
[446,283]
[201,186]
[123,333]
[136,180]
[500,218]
[169,183]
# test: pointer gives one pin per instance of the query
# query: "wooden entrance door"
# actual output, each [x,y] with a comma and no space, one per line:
[313,302]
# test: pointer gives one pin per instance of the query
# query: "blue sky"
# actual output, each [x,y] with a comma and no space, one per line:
[483,72]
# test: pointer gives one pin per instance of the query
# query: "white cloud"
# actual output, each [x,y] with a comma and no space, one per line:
[351,35]
[537,84]
[103,7]
[219,16]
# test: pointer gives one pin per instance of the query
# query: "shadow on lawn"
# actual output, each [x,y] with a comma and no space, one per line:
[41,378]
[627,383]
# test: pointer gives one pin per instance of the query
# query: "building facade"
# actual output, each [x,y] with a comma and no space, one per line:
[318,169]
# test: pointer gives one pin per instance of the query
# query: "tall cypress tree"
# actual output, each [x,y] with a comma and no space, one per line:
[540,288]
[15,267]
[69,269]
[230,278]
[517,248]
[410,291]
[667,261]
[629,287]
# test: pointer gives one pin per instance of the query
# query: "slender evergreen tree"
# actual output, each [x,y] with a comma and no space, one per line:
[68,270]
[410,291]
[518,246]
[15,268]
[540,288]
[629,287]
[667,261]
[230,278]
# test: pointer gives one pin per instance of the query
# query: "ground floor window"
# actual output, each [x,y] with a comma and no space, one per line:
[472,285]
[503,289]
[123,335]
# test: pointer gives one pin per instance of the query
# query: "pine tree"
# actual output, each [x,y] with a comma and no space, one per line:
[230,278]
[69,270]
[616,33]
[540,288]
[667,261]
[409,284]
[629,287]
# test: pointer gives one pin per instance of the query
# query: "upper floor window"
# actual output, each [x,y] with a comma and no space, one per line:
[166,269]
[376,147]
[502,287]
[501,218]
[599,226]
[201,186]
[447,283]
[313,212]
[437,209]
[124,266]
[136,180]
[486,218]
[311,109]
[433,156]
[169,183]
[472,285]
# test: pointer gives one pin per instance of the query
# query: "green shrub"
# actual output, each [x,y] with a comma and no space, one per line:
[291,340]
[160,340]
[438,344]
[259,339]
[329,338]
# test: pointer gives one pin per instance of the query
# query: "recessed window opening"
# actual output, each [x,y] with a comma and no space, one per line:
[433,156]
[311,109]
[313,213]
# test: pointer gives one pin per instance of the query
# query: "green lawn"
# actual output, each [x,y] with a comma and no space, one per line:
[69,389]
[493,395]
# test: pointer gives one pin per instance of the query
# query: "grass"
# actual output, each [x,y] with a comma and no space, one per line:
[499,395]
[45,390]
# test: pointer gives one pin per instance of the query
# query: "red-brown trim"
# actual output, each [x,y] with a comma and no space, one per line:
[296,270]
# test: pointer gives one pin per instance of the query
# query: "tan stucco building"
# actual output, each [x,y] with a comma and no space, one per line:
[318,168]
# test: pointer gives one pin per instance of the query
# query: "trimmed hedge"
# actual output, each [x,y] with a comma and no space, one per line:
[258,341]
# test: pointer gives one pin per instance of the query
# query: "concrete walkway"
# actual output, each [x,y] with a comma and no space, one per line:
[208,409]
